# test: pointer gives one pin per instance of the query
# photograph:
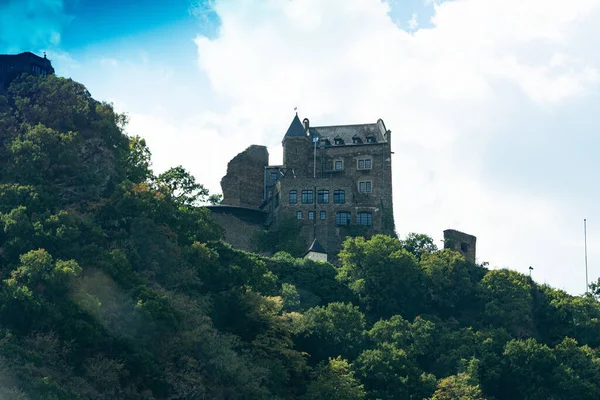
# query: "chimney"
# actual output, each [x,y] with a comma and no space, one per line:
[306,123]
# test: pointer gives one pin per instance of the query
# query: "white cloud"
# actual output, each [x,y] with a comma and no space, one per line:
[449,94]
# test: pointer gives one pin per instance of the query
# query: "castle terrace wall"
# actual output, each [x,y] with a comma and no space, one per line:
[239,224]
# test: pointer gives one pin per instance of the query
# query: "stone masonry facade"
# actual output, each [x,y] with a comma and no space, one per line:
[335,180]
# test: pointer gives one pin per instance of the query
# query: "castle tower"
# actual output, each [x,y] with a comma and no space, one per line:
[464,243]
[297,148]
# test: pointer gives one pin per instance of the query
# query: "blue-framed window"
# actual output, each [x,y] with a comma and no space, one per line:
[323,196]
[307,196]
[364,218]
[343,218]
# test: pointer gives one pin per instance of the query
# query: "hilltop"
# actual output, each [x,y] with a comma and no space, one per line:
[115,284]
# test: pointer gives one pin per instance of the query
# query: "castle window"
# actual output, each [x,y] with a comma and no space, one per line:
[339,196]
[307,196]
[277,200]
[323,196]
[371,139]
[293,197]
[311,215]
[343,218]
[274,176]
[464,247]
[339,165]
[364,163]
[364,187]
[323,215]
[364,218]
[299,215]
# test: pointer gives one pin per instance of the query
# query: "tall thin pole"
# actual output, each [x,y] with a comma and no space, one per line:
[315,158]
[585,245]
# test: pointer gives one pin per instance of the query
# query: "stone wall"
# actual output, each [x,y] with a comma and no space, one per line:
[238,232]
[378,202]
[461,242]
[244,183]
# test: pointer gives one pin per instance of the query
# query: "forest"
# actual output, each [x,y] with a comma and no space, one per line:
[115,284]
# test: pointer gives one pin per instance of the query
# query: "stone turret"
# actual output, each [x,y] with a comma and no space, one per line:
[297,149]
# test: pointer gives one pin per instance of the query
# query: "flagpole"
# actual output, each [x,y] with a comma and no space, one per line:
[585,246]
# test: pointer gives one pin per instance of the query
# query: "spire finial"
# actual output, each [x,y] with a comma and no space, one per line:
[44,54]
[296,109]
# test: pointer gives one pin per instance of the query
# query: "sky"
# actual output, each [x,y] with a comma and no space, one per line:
[493,104]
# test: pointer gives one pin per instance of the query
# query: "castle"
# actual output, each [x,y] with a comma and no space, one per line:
[336,181]
[11,65]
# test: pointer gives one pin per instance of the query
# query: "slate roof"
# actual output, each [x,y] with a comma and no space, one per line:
[348,132]
[316,247]
[345,132]
[296,128]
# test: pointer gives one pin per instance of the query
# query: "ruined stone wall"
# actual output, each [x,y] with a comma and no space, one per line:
[244,183]
[461,242]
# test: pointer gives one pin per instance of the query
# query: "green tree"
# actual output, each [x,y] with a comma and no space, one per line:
[181,186]
[290,296]
[336,329]
[335,381]
[419,244]
[458,386]
[508,301]
[386,277]
[138,166]
[388,373]
[451,283]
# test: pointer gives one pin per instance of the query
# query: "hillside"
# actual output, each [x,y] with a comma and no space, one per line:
[114,284]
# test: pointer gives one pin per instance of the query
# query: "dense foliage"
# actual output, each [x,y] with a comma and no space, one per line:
[114,284]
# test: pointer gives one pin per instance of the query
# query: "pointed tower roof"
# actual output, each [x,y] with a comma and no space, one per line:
[296,128]
[316,247]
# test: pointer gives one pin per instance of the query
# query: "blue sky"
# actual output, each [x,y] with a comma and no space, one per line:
[492,103]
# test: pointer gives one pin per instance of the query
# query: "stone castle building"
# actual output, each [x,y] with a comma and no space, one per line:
[11,65]
[335,180]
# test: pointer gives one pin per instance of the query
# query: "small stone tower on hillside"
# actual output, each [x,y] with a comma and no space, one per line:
[464,243]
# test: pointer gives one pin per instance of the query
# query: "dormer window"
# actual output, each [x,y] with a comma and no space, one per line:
[371,139]
[356,139]
[338,140]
